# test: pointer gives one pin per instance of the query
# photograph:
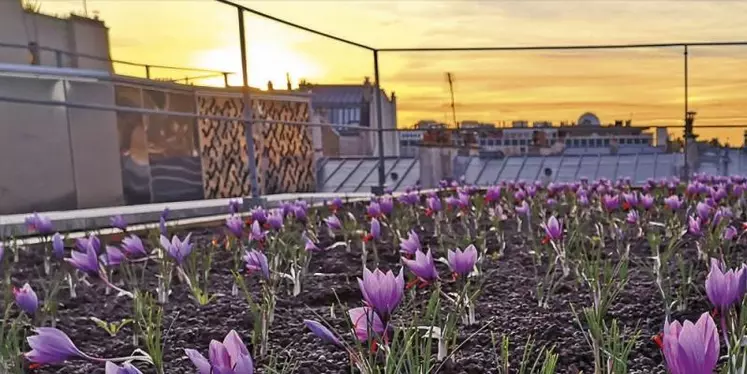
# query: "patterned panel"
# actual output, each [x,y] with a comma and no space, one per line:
[284,153]
[222,146]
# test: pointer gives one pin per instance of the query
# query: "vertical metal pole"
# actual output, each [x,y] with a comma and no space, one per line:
[248,125]
[379,121]
[147,71]
[686,134]
[225,80]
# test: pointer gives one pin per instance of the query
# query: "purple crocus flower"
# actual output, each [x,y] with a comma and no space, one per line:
[409,198]
[462,262]
[520,195]
[693,226]
[366,321]
[228,357]
[373,210]
[333,222]
[310,246]
[610,202]
[382,291]
[275,220]
[258,214]
[387,205]
[582,199]
[452,202]
[58,245]
[730,232]
[553,228]
[126,368]
[299,212]
[51,346]
[257,234]
[523,208]
[257,261]
[422,266]
[177,249]
[631,200]
[40,224]
[323,332]
[87,262]
[632,217]
[723,288]
[118,222]
[235,226]
[336,204]
[411,244]
[434,205]
[647,201]
[234,206]
[738,190]
[673,202]
[162,227]
[703,210]
[165,213]
[493,194]
[26,299]
[112,257]
[691,348]
[531,190]
[551,202]
[91,241]
[375,232]
[132,246]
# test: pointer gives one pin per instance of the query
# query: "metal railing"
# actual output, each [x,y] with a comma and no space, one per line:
[34,50]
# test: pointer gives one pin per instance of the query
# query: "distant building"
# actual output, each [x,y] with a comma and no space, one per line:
[588,136]
[346,105]
[33,38]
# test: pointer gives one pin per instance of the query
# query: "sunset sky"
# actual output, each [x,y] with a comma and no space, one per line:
[643,85]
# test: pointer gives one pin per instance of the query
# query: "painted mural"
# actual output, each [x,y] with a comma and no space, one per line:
[284,152]
[133,147]
[159,153]
[176,158]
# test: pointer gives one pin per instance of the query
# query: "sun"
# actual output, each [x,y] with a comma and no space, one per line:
[265,62]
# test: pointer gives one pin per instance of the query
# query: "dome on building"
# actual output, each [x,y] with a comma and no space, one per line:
[589,119]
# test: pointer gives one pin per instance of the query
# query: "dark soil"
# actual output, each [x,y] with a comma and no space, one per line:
[507,303]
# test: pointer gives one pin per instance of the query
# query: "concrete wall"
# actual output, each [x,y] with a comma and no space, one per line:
[35,158]
[95,145]
[389,121]
[71,35]
[436,163]
[12,31]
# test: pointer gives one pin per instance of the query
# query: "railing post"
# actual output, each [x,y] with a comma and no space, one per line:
[248,121]
[687,133]
[58,57]
[147,71]
[380,125]
[225,79]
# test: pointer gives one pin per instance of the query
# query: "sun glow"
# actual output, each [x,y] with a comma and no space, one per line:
[265,62]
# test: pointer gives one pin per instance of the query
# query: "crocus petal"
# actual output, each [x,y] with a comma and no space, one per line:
[51,346]
[202,364]
[323,332]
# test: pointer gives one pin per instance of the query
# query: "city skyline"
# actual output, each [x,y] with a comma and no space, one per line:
[643,85]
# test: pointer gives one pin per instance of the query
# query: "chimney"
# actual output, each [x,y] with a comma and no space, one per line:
[367,81]
[269,86]
[394,97]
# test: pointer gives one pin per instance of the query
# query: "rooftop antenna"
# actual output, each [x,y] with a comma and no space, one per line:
[450,79]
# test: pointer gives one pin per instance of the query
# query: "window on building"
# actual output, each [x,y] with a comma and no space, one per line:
[606,142]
